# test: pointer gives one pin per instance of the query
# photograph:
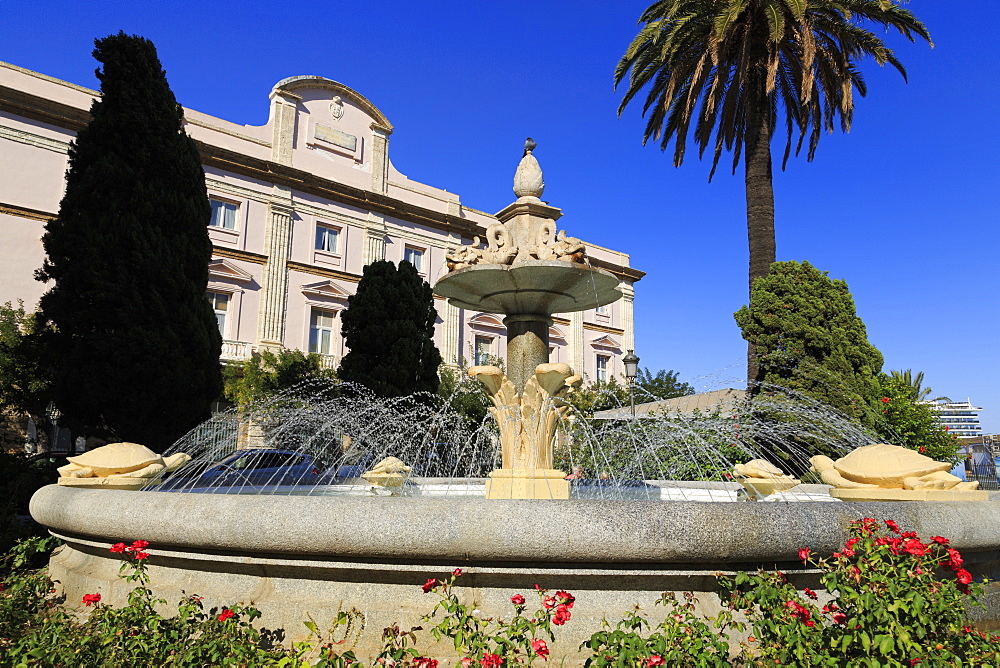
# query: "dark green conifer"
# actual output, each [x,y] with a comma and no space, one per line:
[809,339]
[136,344]
[389,329]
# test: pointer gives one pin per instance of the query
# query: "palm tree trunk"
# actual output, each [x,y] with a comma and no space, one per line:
[760,210]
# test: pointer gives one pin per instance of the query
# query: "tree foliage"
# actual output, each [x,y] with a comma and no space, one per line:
[915,382]
[136,344]
[465,396]
[268,373]
[727,72]
[663,385]
[908,422]
[810,340]
[25,376]
[389,329]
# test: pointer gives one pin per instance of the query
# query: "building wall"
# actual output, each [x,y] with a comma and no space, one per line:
[322,159]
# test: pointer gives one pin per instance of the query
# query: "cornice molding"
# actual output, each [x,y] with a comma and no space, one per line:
[601,328]
[25,212]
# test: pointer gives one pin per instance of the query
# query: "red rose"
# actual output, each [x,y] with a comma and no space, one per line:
[892,526]
[457,572]
[517,599]
[655,660]
[424,662]
[540,648]
[138,545]
[429,585]
[914,547]
[140,555]
[562,615]
[939,540]
[803,554]
[885,400]
[566,597]
[839,618]
[810,593]
[118,548]
[89,599]
[226,614]
[954,561]
[490,660]
[963,576]
[549,602]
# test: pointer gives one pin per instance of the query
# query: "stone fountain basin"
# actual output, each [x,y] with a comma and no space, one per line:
[535,286]
[293,554]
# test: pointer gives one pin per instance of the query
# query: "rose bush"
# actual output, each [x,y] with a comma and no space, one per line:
[892,600]
[889,599]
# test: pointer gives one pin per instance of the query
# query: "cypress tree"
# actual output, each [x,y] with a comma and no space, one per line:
[389,327]
[809,339]
[136,343]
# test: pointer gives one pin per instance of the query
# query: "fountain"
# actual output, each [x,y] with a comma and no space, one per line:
[527,273]
[325,543]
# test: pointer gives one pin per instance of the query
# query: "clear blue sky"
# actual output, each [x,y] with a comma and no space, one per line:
[904,208]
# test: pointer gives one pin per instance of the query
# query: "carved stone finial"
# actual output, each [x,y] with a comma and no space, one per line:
[528,181]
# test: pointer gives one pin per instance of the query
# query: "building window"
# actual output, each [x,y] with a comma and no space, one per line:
[415,256]
[220,304]
[327,238]
[321,332]
[602,368]
[601,310]
[484,350]
[223,214]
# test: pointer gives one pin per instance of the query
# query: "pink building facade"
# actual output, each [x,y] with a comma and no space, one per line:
[299,206]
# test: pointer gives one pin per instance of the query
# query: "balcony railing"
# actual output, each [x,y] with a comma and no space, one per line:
[329,361]
[236,351]
[239,351]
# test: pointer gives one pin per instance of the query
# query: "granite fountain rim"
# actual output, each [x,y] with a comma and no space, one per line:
[463,529]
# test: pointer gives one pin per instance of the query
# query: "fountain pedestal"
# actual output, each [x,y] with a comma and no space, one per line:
[527,484]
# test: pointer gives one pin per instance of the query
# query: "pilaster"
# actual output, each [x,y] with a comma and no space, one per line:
[576,342]
[274,279]
[283,116]
[452,326]
[628,315]
[375,239]
[380,158]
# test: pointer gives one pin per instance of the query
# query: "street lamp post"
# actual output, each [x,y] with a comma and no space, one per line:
[53,414]
[631,362]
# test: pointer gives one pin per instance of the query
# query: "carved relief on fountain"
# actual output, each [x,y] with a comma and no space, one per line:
[528,423]
[527,228]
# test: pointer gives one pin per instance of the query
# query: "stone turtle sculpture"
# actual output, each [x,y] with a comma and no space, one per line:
[118,465]
[885,466]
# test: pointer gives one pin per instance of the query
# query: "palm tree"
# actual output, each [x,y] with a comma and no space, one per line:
[917,391]
[737,67]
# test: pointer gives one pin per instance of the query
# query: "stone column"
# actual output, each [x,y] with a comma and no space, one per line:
[628,315]
[274,281]
[576,342]
[527,345]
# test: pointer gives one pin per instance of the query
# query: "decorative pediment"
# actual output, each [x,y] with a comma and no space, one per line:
[226,270]
[324,290]
[488,320]
[607,341]
[556,334]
